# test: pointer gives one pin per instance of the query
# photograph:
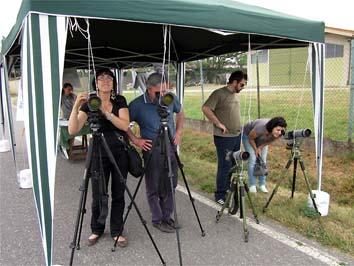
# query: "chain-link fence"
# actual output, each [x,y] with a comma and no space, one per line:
[283,79]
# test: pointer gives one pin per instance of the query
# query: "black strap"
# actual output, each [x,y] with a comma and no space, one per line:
[121,139]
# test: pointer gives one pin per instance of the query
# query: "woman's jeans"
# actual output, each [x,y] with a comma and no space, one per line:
[252,161]
[224,144]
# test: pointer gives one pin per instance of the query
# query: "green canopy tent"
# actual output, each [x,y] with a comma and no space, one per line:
[44,41]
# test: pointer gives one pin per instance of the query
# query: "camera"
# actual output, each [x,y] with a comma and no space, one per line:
[94,102]
[167,99]
[95,115]
[299,133]
[164,101]
[237,155]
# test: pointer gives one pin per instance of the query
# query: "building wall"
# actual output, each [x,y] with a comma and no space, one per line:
[286,67]
[263,74]
[337,69]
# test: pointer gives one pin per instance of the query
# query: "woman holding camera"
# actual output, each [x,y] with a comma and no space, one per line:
[113,121]
[256,136]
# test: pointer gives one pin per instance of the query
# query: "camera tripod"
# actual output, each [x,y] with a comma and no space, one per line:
[97,142]
[166,142]
[294,158]
[235,198]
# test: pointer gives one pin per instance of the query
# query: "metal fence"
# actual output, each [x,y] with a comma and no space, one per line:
[283,78]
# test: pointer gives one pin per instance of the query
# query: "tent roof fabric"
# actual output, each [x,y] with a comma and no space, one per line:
[126,18]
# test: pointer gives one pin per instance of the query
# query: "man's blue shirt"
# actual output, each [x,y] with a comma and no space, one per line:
[143,111]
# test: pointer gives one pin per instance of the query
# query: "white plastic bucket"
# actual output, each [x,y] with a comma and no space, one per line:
[4,145]
[322,201]
[25,179]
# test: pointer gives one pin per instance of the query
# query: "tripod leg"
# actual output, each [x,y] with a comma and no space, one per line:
[79,218]
[242,208]
[251,203]
[81,212]
[229,195]
[234,206]
[278,184]
[167,141]
[294,178]
[84,191]
[180,165]
[114,163]
[131,202]
[308,186]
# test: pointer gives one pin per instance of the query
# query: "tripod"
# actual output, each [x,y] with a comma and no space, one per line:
[166,144]
[235,198]
[295,157]
[96,143]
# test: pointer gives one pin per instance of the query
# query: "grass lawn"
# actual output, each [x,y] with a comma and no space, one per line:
[337,230]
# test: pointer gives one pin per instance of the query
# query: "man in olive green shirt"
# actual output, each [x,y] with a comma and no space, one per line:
[223,109]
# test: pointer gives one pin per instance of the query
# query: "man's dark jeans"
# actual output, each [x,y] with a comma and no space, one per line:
[224,144]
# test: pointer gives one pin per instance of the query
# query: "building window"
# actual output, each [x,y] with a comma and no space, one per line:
[262,57]
[334,50]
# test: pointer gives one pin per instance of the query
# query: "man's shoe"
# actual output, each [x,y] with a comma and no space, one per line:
[220,202]
[172,224]
[253,189]
[263,189]
[164,227]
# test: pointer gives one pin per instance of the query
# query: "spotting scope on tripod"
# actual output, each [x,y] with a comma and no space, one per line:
[235,195]
[295,138]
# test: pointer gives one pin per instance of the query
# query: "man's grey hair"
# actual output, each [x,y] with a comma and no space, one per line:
[154,79]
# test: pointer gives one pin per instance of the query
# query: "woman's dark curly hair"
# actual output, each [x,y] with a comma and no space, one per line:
[104,71]
[275,122]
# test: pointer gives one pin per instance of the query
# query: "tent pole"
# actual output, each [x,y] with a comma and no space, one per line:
[202,83]
[317,70]
[2,116]
[119,76]
[181,70]
[258,91]
[351,102]
[8,107]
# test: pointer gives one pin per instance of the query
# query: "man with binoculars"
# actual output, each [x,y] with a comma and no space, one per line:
[148,110]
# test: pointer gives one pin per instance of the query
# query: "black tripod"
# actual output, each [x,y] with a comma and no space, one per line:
[235,198]
[97,142]
[167,143]
[295,157]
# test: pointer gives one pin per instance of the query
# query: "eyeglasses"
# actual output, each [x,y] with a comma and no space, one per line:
[105,77]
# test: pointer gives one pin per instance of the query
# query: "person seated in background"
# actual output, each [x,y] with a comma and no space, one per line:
[256,136]
[67,100]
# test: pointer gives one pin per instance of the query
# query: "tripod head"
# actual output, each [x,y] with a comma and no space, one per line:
[237,157]
[294,147]
[164,101]
[163,112]
[94,120]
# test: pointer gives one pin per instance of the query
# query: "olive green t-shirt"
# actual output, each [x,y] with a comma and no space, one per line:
[226,106]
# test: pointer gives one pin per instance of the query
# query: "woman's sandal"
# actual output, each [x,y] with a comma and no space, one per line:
[123,242]
[92,240]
